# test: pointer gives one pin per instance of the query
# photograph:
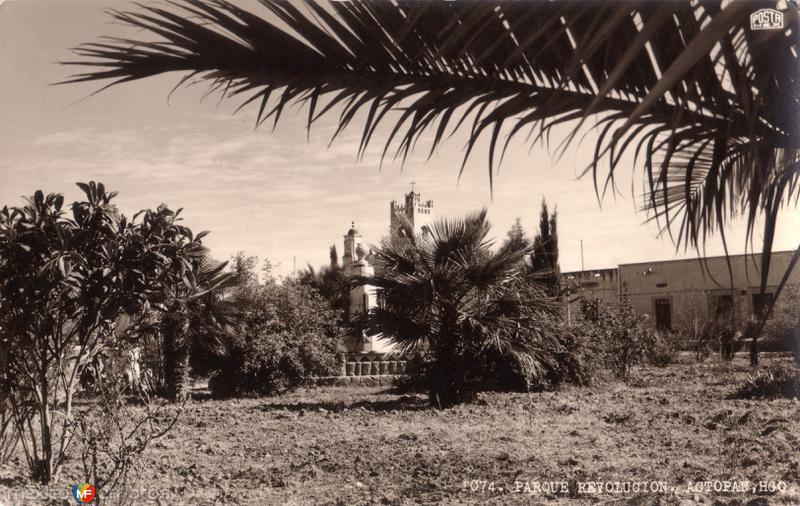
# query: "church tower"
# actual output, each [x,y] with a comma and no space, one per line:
[419,213]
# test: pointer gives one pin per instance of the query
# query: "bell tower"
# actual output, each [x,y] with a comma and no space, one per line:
[419,213]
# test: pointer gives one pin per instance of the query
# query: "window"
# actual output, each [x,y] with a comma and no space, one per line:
[663,314]
[381,299]
[723,306]
[761,303]
[661,285]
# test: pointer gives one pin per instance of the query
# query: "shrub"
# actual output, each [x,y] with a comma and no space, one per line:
[288,334]
[727,337]
[782,330]
[624,337]
[270,364]
[662,349]
[581,361]
[774,383]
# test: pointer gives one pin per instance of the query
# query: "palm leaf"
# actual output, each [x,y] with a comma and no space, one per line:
[709,107]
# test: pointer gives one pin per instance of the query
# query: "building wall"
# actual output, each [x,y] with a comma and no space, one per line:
[600,284]
[693,292]
[683,290]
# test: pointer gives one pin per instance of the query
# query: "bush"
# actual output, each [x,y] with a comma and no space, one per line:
[624,336]
[782,330]
[727,337]
[774,383]
[581,361]
[274,363]
[662,349]
[288,334]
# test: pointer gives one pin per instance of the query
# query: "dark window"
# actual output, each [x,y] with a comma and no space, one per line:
[661,285]
[761,303]
[381,300]
[723,306]
[663,314]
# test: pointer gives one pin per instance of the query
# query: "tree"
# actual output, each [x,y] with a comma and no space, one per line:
[545,251]
[192,303]
[448,294]
[707,105]
[516,234]
[68,282]
[244,268]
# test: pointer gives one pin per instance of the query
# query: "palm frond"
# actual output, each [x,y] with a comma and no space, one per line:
[709,108]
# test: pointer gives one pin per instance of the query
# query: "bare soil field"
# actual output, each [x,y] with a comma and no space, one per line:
[656,440]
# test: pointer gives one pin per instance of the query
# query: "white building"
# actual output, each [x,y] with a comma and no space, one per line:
[358,260]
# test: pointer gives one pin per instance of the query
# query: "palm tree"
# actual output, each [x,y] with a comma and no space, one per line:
[448,294]
[190,307]
[709,107]
[201,318]
[331,282]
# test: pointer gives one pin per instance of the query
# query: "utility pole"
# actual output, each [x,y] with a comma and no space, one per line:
[582,268]
[294,265]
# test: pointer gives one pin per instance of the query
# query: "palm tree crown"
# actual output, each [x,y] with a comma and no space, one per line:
[447,292]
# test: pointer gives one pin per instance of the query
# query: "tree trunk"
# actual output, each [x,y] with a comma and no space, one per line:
[176,358]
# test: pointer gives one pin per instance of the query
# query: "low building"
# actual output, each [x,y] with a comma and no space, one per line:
[676,293]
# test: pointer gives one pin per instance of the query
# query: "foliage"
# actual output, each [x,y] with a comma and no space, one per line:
[545,251]
[65,281]
[774,383]
[662,349]
[619,336]
[76,286]
[286,334]
[782,331]
[448,294]
[724,333]
[243,268]
[516,234]
[191,308]
[331,283]
[583,361]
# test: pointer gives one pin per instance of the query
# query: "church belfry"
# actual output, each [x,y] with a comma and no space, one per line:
[419,213]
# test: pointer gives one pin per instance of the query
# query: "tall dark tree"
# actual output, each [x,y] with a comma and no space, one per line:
[516,234]
[708,106]
[544,259]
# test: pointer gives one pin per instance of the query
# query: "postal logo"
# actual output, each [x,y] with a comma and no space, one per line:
[83,493]
[766,19]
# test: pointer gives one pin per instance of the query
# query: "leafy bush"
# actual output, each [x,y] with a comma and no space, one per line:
[624,336]
[774,383]
[727,337]
[288,334]
[581,360]
[782,330]
[662,349]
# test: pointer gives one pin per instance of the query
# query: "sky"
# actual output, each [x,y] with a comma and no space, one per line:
[284,195]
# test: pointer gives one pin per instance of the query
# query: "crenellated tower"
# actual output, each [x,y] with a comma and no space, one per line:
[419,213]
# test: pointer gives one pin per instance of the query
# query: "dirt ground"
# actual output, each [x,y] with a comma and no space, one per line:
[672,436]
